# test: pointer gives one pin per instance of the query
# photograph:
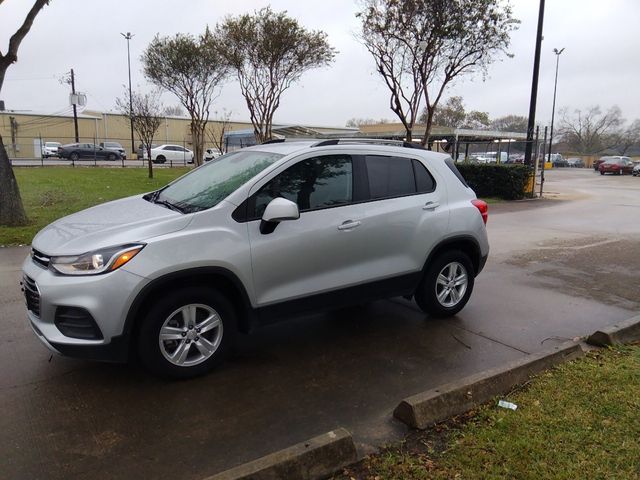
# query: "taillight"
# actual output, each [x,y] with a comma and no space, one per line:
[482,206]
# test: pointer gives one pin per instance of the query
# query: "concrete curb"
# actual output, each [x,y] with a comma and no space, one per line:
[316,458]
[622,332]
[436,405]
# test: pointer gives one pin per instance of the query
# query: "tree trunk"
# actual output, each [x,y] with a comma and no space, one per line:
[427,127]
[197,135]
[12,212]
[149,160]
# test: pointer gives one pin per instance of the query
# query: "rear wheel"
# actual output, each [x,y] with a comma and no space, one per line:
[447,285]
[160,159]
[187,333]
[601,173]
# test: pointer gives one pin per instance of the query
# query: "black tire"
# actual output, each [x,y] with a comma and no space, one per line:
[74,157]
[426,294]
[111,157]
[149,348]
[160,159]
[601,173]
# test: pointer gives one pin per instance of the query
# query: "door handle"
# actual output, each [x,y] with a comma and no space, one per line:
[349,224]
[431,205]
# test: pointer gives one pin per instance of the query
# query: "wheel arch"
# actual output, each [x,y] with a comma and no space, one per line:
[216,277]
[464,243]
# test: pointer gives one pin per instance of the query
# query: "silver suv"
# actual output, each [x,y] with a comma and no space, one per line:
[261,234]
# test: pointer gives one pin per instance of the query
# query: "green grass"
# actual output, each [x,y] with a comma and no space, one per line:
[51,193]
[579,420]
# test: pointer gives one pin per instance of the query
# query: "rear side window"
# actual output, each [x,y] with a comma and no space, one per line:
[390,176]
[397,176]
[424,181]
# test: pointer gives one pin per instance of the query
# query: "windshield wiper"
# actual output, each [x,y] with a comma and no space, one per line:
[168,204]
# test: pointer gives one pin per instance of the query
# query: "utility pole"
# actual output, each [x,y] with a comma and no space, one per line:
[553,109]
[128,36]
[534,88]
[75,111]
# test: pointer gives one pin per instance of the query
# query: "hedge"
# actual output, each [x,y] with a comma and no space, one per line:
[492,180]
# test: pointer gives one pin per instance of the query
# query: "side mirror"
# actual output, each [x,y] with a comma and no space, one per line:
[278,210]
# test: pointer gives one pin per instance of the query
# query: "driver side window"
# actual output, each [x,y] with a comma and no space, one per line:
[314,183]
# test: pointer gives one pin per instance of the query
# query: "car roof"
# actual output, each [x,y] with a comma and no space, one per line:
[355,144]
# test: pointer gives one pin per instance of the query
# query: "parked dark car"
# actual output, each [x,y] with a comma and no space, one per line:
[77,151]
[575,163]
[114,146]
[617,166]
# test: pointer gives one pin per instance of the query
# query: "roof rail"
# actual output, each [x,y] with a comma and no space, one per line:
[373,141]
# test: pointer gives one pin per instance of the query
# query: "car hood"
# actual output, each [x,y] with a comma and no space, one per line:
[128,220]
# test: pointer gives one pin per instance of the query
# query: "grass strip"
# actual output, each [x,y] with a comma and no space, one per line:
[53,192]
[577,420]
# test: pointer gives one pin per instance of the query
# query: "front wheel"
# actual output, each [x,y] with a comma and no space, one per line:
[447,285]
[601,173]
[187,333]
[111,157]
[74,156]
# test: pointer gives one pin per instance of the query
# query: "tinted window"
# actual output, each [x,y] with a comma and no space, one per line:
[314,183]
[390,176]
[424,181]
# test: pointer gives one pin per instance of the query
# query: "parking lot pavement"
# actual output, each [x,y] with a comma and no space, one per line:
[64,418]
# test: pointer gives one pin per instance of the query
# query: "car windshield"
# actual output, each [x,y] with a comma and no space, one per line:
[208,185]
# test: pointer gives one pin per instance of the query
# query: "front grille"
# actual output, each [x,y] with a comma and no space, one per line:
[31,295]
[40,258]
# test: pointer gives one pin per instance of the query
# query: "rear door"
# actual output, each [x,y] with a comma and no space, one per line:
[405,217]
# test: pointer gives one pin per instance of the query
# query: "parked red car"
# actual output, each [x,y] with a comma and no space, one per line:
[617,166]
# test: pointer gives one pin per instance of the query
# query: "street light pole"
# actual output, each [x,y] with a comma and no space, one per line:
[553,109]
[534,88]
[128,36]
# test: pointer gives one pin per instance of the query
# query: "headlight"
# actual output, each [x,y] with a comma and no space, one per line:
[96,262]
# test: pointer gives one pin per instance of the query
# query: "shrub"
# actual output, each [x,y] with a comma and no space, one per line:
[492,180]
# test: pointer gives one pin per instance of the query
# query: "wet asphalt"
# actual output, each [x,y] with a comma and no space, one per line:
[559,268]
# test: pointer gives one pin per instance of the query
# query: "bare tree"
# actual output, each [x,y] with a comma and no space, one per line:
[356,122]
[217,133]
[590,131]
[145,115]
[173,111]
[11,209]
[193,70]
[421,46]
[629,137]
[269,51]
[510,123]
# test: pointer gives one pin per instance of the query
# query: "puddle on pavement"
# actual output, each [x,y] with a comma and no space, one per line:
[599,268]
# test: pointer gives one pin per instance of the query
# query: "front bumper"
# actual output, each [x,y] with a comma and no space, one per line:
[106,297]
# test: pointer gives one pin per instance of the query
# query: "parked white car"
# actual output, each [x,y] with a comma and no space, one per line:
[171,153]
[50,149]
[210,154]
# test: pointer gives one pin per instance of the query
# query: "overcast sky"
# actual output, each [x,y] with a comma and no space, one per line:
[599,66]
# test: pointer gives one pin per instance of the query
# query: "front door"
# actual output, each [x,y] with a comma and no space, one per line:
[317,252]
